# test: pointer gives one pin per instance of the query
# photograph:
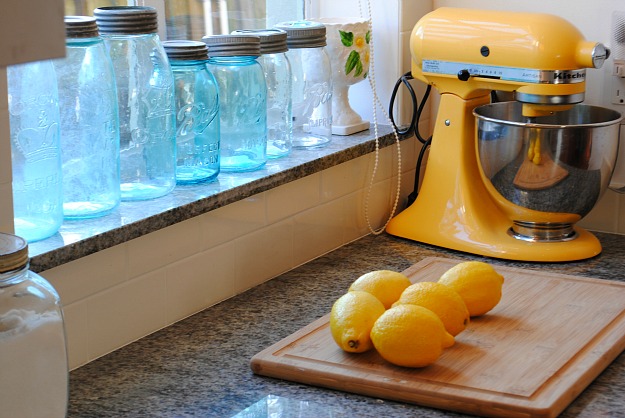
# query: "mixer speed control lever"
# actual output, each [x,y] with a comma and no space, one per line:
[464,75]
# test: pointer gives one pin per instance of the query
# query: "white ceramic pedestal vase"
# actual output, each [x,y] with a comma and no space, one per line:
[348,47]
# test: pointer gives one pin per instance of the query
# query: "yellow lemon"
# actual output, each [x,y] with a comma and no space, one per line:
[351,319]
[386,285]
[477,283]
[410,336]
[440,299]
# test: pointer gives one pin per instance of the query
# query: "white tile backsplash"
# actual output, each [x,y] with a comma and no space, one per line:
[86,276]
[76,316]
[163,247]
[199,281]
[263,254]
[604,216]
[318,231]
[124,313]
[232,221]
[294,197]
[118,295]
[343,179]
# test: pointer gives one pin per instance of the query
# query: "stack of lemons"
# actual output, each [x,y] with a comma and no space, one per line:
[410,324]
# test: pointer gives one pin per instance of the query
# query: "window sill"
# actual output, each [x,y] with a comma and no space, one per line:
[131,220]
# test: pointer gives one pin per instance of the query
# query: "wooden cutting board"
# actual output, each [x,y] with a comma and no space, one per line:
[548,338]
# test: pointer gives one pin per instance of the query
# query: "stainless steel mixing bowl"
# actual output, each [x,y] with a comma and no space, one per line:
[544,197]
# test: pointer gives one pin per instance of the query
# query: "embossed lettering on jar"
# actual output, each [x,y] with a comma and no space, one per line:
[145,89]
[34,122]
[197,112]
[89,122]
[242,100]
[312,83]
[278,77]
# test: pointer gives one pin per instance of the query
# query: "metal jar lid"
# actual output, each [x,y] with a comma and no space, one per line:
[304,34]
[126,20]
[81,27]
[13,252]
[184,50]
[272,41]
[232,45]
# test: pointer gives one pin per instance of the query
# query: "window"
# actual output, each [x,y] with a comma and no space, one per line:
[192,19]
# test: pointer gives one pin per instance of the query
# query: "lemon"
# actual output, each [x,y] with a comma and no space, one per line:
[386,285]
[477,283]
[440,299]
[410,336]
[351,319]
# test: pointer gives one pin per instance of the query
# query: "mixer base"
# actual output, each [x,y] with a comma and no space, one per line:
[455,210]
[503,243]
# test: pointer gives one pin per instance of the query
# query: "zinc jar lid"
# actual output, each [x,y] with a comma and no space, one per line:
[304,34]
[81,27]
[185,50]
[126,20]
[13,252]
[232,45]
[272,41]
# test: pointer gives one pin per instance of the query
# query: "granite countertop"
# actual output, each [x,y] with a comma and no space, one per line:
[200,367]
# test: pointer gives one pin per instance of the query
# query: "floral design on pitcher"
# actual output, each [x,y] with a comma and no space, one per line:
[359,55]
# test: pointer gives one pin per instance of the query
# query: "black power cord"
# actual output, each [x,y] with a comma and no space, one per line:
[413,127]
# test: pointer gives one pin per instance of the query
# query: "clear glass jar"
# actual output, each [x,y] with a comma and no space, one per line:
[278,76]
[33,349]
[312,83]
[197,112]
[89,122]
[145,89]
[242,100]
[35,149]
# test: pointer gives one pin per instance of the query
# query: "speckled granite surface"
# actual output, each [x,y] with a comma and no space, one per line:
[131,220]
[199,367]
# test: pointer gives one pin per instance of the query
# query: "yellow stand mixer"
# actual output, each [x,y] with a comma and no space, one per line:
[466,54]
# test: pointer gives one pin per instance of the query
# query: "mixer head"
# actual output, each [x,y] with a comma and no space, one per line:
[542,58]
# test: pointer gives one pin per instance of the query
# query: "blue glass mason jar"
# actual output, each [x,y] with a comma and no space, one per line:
[89,122]
[312,83]
[197,112]
[277,70]
[35,149]
[145,90]
[242,100]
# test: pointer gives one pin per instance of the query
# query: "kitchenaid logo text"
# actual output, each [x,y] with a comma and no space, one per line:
[570,76]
